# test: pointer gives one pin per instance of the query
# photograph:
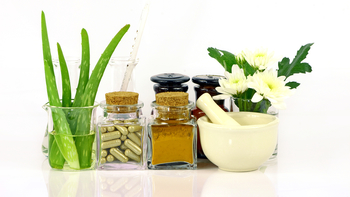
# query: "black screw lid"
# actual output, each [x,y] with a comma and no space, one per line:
[166,78]
[212,80]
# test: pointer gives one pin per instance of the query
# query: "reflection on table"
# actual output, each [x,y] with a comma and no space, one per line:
[207,180]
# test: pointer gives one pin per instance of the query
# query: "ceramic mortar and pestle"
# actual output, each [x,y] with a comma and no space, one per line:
[236,141]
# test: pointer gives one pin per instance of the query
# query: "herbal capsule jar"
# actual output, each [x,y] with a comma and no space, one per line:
[172,133]
[122,134]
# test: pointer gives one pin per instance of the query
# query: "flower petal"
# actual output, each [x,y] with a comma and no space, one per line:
[221,96]
[256,98]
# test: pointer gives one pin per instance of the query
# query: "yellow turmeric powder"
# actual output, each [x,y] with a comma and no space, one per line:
[172,143]
[173,132]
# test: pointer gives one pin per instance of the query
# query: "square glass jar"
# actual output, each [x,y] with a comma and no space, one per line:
[122,137]
[172,138]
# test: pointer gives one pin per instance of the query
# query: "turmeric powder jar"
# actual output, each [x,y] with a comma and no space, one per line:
[172,132]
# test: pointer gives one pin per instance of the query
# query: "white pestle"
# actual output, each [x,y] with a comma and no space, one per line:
[218,116]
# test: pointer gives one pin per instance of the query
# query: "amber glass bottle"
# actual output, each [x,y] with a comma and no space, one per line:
[205,84]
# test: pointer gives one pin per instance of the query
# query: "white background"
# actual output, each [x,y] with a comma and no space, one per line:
[314,136]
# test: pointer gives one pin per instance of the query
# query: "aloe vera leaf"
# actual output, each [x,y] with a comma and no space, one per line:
[45,43]
[84,68]
[63,136]
[83,126]
[83,79]
[66,89]
[56,159]
[96,75]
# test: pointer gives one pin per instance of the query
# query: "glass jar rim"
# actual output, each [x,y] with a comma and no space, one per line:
[190,105]
[104,105]
[47,105]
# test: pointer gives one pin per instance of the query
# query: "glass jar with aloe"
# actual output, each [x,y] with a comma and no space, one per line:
[72,123]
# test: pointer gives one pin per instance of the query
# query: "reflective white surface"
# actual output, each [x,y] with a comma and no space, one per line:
[301,169]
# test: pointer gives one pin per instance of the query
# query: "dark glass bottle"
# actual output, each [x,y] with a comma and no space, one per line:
[170,82]
[205,84]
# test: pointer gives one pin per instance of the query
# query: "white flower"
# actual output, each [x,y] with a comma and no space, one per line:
[259,59]
[240,58]
[234,84]
[268,86]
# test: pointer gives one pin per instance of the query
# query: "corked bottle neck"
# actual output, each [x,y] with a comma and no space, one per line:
[172,113]
[122,104]
[172,106]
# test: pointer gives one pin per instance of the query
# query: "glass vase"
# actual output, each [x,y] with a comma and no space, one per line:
[264,106]
[71,137]
[122,137]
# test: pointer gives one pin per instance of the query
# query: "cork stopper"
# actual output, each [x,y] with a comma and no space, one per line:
[122,98]
[172,98]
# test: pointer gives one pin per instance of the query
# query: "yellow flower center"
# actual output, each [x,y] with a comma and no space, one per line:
[260,55]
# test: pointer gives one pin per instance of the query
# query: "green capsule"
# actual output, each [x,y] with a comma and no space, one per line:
[122,129]
[123,147]
[119,155]
[117,121]
[110,158]
[103,160]
[110,128]
[104,153]
[103,129]
[110,144]
[134,138]
[138,133]
[134,128]
[130,144]
[123,137]
[110,136]
[132,155]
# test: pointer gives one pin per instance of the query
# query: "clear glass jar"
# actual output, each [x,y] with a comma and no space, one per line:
[122,137]
[173,137]
[71,137]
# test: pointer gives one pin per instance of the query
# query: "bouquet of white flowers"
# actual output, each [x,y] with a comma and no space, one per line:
[251,81]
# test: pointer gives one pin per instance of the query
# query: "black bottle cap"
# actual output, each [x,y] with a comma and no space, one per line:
[166,78]
[212,80]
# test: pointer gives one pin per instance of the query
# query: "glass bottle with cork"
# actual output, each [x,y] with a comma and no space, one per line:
[122,135]
[205,84]
[172,133]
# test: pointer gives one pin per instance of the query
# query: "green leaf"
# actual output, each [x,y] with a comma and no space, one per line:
[66,89]
[248,69]
[97,73]
[65,142]
[292,84]
[84,68]
[288,69]
[83,128]
[45,43]
[225,58]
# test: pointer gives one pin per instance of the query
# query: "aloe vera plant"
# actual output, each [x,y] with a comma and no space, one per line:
[76,151]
